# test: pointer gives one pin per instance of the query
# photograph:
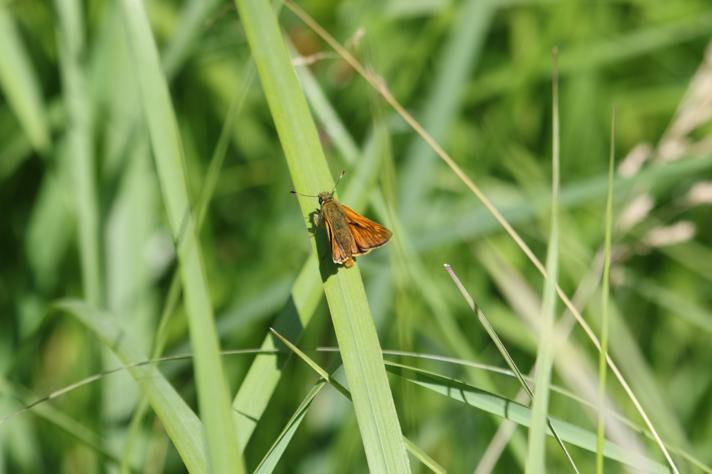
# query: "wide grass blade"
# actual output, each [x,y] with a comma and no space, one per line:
[168,153]
[345,294]
[263,375]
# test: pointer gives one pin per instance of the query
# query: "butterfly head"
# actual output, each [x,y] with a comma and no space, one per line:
[325,196]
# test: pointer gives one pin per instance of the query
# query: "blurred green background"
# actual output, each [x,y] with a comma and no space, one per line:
[83,217]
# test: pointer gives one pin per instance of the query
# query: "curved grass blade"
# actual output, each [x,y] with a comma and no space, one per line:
[212,388]
[518,413]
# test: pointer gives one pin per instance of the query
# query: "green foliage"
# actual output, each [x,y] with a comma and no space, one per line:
[145,179]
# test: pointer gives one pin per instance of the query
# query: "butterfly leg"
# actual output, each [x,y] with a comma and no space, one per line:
[316,219]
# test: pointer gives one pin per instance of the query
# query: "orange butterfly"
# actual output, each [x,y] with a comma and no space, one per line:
[350,234]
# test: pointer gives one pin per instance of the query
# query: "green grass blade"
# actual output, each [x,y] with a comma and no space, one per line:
[558,389]
[345,294]
[623,343]
[168,153]
[263,375]
[420,278]
[20,83]
[193,18]
[536,456]
[269,462]
[174,292]
[309,361]
[605,289]
[180,422]
[423,457]
[132,220]
[511,410]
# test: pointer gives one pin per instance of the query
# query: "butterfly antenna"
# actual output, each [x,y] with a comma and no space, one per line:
[302,194]
[338,180]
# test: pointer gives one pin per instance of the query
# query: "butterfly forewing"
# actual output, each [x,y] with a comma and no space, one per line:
[367,234]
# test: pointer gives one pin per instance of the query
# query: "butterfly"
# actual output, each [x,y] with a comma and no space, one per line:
[349,233]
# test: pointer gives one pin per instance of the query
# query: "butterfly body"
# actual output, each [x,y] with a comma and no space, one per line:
[350,234]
